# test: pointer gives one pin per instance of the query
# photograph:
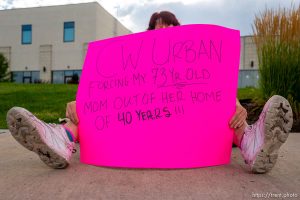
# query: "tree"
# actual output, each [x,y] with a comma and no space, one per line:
[4,74]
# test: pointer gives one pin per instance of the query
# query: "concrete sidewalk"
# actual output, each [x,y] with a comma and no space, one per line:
[24,176]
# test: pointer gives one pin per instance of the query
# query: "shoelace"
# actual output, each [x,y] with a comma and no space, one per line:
[63,120]
[52,124]
[71,148]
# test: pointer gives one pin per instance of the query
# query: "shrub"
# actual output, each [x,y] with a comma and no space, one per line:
[277,38]
[75,79]
[4,75]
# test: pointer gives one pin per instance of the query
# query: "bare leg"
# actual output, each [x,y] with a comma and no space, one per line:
[238,134]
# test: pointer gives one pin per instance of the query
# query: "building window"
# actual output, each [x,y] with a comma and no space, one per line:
[26,76]
[26,34]
[65,76]
[69,31]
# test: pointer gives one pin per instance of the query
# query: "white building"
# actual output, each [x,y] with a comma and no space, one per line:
[248,74]
[49,43]
[248,58]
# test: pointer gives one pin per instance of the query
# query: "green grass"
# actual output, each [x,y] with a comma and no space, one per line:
[48,101]
[248,93]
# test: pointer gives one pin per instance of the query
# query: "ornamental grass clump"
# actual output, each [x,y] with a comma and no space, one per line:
[277,38]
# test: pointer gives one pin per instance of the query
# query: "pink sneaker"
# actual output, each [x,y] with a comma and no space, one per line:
[49,141]
[262,140]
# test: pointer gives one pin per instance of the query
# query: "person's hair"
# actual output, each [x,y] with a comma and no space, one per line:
[166,17]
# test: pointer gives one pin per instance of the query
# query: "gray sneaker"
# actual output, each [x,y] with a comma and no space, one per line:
[262,140]
[49,141]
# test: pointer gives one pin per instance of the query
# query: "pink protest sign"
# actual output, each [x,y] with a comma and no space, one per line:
[159,99]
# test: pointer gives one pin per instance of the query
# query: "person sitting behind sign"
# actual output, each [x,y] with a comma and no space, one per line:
[259,143]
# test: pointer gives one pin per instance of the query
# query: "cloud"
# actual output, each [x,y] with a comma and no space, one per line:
[9,4]
[6,4]
[230,13]
[135,14]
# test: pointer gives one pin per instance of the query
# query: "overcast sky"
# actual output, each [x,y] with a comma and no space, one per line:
[134,14]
